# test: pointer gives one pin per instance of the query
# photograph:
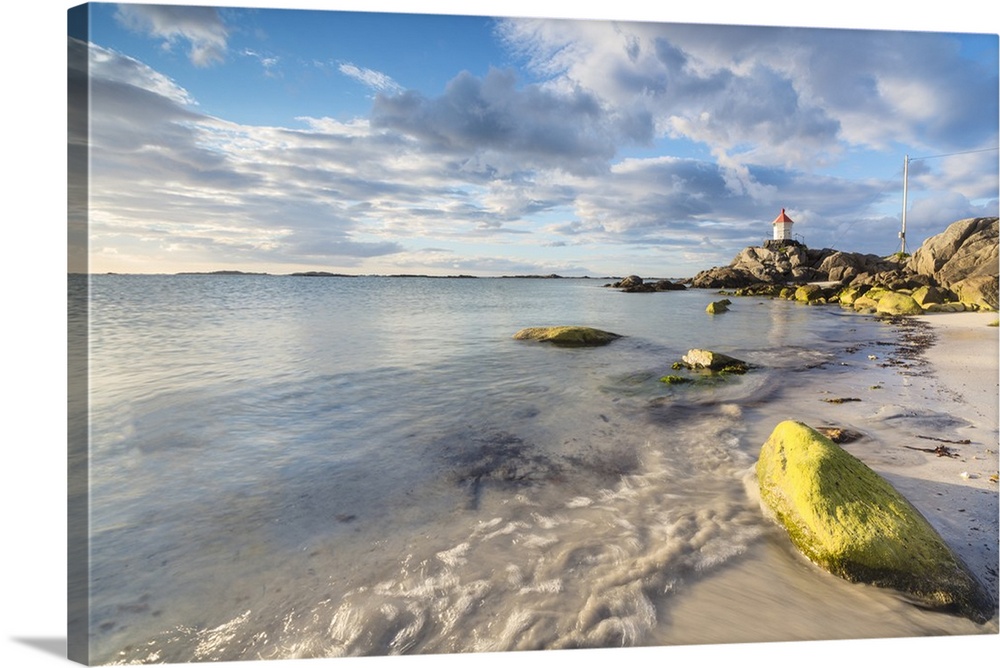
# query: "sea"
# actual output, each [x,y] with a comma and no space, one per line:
[319,466]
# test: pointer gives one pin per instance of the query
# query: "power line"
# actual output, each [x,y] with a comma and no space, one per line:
[889,183]
[946,155]
[906,163]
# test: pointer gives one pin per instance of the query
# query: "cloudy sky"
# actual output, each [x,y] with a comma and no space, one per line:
[280,140]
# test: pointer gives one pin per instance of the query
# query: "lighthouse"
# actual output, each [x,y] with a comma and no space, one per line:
[782,227]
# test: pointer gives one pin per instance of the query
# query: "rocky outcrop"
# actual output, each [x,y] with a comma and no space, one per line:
[635,283]
[851,522]
[568,336]
[966,249]
[960,265]
[792,264]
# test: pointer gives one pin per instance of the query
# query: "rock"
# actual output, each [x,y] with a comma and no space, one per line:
[568,336]
[809,292]
[759,290]
[979,291]
[851,522]
[850,294]
[636,284]
[698,358]
[640,287]
[897,303]
[965,249]
[840,434]
[868,302]
[718,307]
[666,286]
[928,295]
[723,277]
[629,282]
[675,380]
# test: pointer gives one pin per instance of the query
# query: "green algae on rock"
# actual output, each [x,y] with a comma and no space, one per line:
[851,522]
[568,335]
[898,303]
[720,306]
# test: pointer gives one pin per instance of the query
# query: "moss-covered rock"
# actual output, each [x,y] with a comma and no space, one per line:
[809,292]
[868,302]
[720,306]
[851,522]
[897,303]
[568,335]
[927,295]
[676,380]
[850,294]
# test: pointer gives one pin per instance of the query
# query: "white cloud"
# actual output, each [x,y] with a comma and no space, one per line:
[770,96]
[200,27]
[374,80]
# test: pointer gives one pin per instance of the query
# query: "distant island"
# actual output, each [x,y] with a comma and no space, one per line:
[222,272]
[329,274]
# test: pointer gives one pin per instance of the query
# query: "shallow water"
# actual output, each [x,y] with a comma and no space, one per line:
[298,467]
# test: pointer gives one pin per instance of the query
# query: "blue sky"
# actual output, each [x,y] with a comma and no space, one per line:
[282,140]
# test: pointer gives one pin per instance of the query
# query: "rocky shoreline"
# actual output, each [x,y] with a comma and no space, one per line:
[956,270]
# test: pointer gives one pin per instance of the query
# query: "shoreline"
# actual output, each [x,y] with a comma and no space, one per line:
[956,396]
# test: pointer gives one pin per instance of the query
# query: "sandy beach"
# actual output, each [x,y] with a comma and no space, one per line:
[957,491]
[964,359]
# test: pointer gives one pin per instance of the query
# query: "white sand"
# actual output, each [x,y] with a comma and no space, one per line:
[957,493]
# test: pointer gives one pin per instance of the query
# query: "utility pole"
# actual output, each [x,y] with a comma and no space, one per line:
[902,232]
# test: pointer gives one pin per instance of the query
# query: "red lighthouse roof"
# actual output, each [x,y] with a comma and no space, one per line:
[783,218]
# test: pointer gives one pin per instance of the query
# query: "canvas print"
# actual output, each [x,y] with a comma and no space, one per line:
[424,334]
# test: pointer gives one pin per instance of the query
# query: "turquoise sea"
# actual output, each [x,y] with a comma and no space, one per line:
[286,466]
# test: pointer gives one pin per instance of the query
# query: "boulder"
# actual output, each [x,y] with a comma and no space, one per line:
[850,521]
[928,295]
[698,358]
[629,282]
[636,284]
[868,302]
[809,292]
[568,336]
[965,249]
[898,303]
[667,286]
[720,306]
[979,291]
[723,277]
[844,267]
[849,295]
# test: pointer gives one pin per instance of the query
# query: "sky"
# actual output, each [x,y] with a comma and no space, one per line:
[264,138]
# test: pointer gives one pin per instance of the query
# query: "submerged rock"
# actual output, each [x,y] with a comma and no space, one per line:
[676,380]
[851,522]
[568,336]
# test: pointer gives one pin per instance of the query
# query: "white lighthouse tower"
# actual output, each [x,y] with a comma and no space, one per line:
[782,227]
